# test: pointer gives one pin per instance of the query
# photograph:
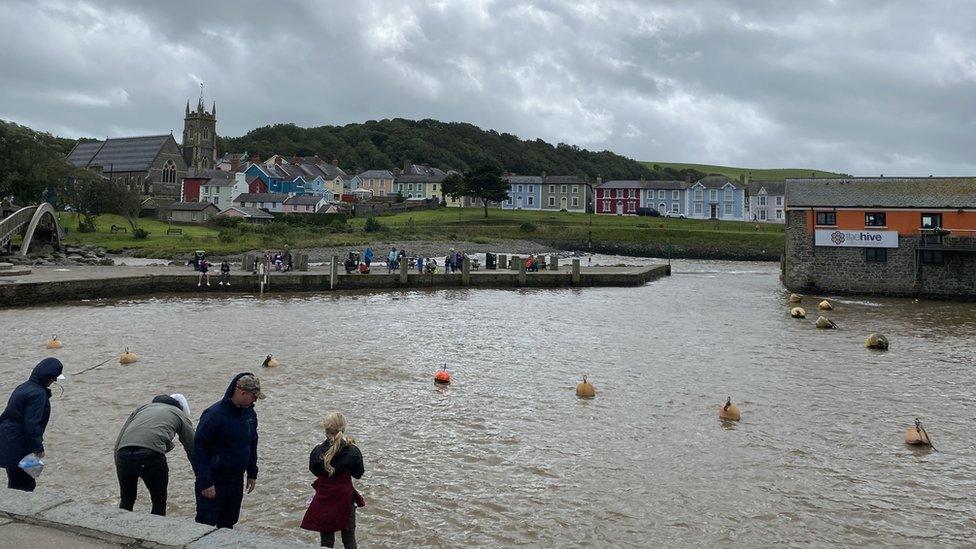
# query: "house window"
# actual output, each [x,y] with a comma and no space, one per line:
[576,202]
[575,189]
[675,195]
[518,188]
[552,189]
[674,207]
[762,215]
[779,200]
[606,205]
[698,194]
[762,200]
[931,221]
[562,189]
[216,200]
[779,214]
[713,195]
[931,257]
[169,172]
[728,208]
[620,193]
[530,188]
[698,207]
[876,254]
[728,194]
[552,200]
[632,193]
[661,194]
[827,218]
[410,187]
[874,219]
[530,197]
[193,216]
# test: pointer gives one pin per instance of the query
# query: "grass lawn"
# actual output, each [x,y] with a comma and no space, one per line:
[444,224]
[775,174]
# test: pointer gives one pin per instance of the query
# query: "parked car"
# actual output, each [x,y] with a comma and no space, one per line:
[651,212]
[676,215]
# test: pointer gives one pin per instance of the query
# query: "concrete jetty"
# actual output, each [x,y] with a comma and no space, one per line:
[55,285]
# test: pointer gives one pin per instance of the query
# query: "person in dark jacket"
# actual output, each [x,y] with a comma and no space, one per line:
[224,449]
[334,463]
[23,422]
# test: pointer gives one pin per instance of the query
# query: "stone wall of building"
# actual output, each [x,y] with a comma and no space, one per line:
[172,152]
[811,269]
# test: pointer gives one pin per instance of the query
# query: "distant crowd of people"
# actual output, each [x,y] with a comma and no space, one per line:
[222,450]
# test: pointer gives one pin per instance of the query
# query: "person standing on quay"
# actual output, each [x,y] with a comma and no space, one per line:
[334,463]
[224,449]
[368,257]
[140,450]
[24,420]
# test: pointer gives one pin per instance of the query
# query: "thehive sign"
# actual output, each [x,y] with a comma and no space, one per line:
[856,239]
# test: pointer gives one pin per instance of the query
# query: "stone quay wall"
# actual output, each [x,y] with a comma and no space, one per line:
[820,269]
[115,283]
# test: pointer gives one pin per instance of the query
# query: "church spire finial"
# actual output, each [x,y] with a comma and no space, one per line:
[187,107]
[200,102]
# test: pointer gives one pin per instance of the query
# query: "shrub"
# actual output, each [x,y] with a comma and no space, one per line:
[372,225]
[226,221]
[140,234]
[86,225]
[228,235]
[527,227]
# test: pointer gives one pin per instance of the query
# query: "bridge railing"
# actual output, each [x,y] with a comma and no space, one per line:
[14,223]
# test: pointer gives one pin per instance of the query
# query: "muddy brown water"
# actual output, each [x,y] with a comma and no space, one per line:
[507,455]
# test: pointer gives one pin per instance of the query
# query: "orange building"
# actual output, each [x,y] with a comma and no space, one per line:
[899,236]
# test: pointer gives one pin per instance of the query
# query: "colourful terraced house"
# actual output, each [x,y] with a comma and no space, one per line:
[525,192]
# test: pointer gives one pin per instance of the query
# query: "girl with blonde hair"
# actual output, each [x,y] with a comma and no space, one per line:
[334,463]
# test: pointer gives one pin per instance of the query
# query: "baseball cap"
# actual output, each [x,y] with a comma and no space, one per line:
[251,383]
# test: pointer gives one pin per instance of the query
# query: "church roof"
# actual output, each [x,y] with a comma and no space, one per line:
[124,154]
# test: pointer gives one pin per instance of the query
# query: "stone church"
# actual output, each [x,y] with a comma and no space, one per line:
[155,164]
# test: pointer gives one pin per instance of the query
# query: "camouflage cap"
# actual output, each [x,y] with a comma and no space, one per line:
[251,383]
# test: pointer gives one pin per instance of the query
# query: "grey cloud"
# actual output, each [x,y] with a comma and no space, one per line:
[859,87]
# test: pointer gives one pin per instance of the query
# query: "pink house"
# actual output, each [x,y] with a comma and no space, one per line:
[303,203]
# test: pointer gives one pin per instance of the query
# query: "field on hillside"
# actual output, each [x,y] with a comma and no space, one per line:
[773,174]
[445,224]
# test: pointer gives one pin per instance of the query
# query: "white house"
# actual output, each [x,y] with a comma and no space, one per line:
[767,201]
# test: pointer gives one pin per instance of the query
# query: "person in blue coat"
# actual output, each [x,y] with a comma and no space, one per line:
[225,447]
[368,257]
[24,420]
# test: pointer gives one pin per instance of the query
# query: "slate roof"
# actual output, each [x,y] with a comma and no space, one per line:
[882,192]
[303,199]
[627,184]
[376,174]
[125,154]
[213,175]
[530,179]
[773,188]
[563,180]
[261,197]
[416,173]
[189,206]
[668,185]
[715,181]
[249,212]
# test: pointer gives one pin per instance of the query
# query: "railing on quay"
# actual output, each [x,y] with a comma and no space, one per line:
[947,239]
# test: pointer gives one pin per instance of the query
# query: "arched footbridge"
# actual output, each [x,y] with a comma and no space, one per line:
[36,223]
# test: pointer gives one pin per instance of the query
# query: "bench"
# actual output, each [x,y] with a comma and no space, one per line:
[172,232]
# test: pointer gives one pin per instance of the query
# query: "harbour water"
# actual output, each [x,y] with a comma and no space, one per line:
[507,455]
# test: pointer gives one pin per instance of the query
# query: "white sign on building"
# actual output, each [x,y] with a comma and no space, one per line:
[840,238]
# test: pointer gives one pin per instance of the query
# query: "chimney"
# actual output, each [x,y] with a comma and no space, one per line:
[318,160]
[235,163]
[296,160]
[335,162]
[277,159]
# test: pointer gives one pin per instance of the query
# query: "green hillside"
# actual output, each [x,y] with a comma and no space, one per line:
[771,174]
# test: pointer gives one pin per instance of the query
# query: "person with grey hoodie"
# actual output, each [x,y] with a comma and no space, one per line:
[140,450]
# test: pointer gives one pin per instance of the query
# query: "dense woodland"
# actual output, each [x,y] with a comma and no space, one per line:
[29,161]
[387,144]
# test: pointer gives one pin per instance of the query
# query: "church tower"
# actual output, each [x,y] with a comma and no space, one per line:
[200,136]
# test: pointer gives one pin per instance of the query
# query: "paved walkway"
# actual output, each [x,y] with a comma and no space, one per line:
[21,534]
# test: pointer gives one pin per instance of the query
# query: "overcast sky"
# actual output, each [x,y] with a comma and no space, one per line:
[864,87]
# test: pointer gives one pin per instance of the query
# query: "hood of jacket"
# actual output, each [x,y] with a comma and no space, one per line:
[233,384]
[47,369]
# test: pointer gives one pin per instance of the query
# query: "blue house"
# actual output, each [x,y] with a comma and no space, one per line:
[665,196]
[525,192]
[715,197]
[280,178]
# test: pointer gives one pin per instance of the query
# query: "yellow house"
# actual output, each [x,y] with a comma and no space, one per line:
[378,181]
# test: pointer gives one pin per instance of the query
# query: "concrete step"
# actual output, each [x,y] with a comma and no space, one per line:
[19,271]
[6,266]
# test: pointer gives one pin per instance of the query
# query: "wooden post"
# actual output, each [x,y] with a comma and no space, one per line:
[502,262]
[521,270]
[333,272]
[553,262]
[576,272]
[466,271]
[403,271]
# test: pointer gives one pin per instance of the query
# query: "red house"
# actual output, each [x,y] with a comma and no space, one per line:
[256,186]
[619,197]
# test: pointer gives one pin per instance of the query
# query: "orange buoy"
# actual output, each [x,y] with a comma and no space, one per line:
[127,357]
[53,343]
[442,376]
[917,435]
[729,411]
[585,389]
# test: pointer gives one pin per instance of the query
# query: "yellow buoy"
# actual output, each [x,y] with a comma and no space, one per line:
[825,305]
[825,323]
[876,341]
[795,298]
[798,312]
[729,411]
[270,362]
[585,389]
[127,357]
[53,343]
[917,435]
